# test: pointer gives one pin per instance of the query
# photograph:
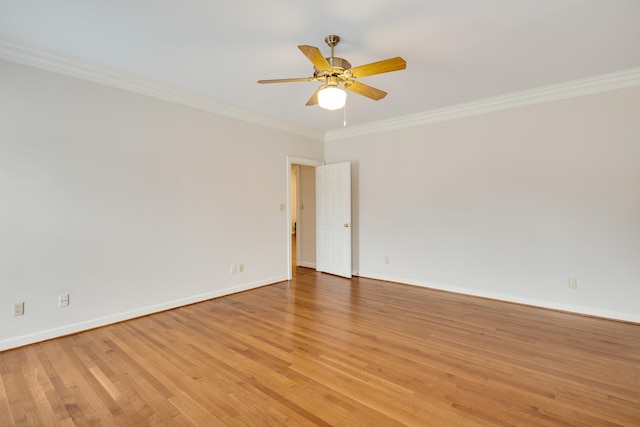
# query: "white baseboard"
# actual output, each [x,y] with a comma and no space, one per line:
[307,264]
[589,311]
[119,317]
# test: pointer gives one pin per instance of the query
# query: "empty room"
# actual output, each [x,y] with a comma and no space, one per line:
[363,213]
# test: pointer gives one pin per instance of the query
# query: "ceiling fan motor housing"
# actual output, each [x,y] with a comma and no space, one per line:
[338,66]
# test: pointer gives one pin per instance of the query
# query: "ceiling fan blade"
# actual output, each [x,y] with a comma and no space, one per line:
[315,56]
[365,90]
[391,64]
[314,98]
[301,79]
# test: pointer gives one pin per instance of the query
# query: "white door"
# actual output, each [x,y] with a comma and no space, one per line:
[333,221]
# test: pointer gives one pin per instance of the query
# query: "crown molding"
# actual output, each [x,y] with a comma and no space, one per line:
[587,86]
[38,57]
[44,59]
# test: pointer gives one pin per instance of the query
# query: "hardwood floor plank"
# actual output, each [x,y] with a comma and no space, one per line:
[324,350]
[23,407]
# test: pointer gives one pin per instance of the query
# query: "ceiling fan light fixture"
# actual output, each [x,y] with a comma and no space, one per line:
[332,98]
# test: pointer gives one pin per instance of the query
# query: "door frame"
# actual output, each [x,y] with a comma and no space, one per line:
[293,161]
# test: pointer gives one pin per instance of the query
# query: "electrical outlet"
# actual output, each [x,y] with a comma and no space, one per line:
[241,268]
[573,284]
[234,269]
[18,309]
[63,300]
[387,260]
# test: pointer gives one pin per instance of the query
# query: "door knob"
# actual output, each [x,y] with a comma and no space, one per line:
[346,226]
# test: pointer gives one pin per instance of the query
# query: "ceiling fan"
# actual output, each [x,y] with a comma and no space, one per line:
[335,72]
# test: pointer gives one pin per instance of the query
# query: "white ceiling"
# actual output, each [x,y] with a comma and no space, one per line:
[457,51]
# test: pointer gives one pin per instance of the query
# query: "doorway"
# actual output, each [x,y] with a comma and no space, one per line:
[301,228]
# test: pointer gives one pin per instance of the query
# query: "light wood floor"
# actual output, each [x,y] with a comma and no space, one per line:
[322,350]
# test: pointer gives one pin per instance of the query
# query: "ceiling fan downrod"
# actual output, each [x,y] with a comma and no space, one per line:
[332,40]
[338,65]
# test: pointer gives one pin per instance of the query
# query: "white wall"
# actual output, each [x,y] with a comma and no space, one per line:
[508,205]
[307,222]
[129,204]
